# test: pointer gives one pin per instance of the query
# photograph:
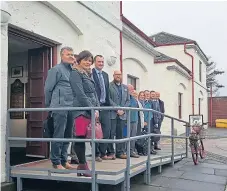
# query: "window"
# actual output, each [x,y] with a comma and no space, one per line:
[180,105]
[199,104]
[132,80]
[200,71]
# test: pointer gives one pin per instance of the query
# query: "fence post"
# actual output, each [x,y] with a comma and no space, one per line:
[148,171]
[128,152]
[8,173]
[93,149]
[172,141]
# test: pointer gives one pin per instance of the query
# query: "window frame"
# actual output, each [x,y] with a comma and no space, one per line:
[180,95]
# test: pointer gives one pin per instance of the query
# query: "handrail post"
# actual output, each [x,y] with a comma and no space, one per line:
[172,141]
[93,149]
[149,150]
[128,152]
[8,171]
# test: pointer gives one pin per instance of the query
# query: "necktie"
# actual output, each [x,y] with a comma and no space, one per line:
[102,87]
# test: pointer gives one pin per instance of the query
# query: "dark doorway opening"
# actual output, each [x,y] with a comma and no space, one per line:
[28,64]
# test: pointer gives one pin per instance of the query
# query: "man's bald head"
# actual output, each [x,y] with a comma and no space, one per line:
[117,76]
[157,95]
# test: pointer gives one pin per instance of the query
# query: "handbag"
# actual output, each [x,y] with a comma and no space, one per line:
[48,126]
[80,125]
[98,131]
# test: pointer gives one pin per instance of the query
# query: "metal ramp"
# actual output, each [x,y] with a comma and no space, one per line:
[108,172]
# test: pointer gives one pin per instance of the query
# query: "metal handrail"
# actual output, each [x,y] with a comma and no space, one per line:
[93,140]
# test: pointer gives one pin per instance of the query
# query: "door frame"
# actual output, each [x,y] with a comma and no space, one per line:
[38,39]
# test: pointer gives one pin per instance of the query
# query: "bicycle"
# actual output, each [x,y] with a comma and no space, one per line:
[196,137]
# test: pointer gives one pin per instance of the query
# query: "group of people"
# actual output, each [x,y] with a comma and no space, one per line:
[79,81]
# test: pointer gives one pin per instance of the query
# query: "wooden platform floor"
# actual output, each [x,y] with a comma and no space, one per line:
[115,167]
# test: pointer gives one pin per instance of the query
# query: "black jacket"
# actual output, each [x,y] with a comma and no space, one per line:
[83,88]
[162,107]
[97,85]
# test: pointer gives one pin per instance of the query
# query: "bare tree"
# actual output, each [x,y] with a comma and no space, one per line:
[211,74]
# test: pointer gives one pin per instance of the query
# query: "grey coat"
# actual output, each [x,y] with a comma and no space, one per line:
[115,101]
[84,94]
[57,90]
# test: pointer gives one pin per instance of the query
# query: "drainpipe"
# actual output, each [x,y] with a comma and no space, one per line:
[211,106]
[121,15]
[193,91]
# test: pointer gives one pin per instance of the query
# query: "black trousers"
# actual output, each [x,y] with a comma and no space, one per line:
[104,118]
[80,148]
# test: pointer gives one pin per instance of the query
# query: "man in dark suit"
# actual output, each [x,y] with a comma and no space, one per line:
[101,80]
[162,110]
[119,97]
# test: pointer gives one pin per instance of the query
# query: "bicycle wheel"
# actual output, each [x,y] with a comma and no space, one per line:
[202,151]
[194,151]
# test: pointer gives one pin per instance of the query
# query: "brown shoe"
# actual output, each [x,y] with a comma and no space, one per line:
[59,167]
[98,159]
[122,156]
[111,157]
[68,166]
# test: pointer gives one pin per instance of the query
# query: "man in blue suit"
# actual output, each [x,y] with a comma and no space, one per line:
[101,80]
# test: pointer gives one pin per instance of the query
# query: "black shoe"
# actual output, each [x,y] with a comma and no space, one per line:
[134,155]
[153,152]
[157,148]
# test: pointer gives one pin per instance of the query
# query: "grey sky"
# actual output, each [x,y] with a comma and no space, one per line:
[205,22]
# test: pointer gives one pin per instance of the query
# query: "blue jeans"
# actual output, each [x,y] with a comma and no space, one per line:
[63,126]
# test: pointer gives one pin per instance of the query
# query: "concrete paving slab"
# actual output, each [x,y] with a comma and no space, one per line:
[215,166]
[188,185]
[210,161]
[172,173]
[220,172]
[197,169]
[204,177]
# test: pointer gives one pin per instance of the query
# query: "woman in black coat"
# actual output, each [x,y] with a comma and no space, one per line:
[84,93]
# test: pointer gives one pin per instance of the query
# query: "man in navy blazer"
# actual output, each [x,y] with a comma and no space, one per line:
[101,80]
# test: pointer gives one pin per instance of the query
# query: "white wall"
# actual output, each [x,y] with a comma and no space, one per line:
[72,24]
[138,63]
[94,26]
[18,127]
[177,52]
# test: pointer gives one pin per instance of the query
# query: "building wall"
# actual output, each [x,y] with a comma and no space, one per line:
[137,63]
[73,24]
[177,51]
[219,109]
[94,26]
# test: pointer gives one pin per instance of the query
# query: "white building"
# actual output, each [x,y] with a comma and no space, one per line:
[185,95]
[35,33]
[37,30]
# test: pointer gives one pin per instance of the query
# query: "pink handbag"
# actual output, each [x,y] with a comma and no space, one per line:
[80,126]
[98,131]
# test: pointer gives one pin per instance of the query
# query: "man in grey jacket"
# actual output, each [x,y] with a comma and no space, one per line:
[119,97]
[58,93]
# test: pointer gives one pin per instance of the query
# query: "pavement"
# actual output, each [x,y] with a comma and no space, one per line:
[209,175]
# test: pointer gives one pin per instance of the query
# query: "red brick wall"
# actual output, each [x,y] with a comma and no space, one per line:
[219,108]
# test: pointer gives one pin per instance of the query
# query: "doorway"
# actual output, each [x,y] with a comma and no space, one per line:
[28,64]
